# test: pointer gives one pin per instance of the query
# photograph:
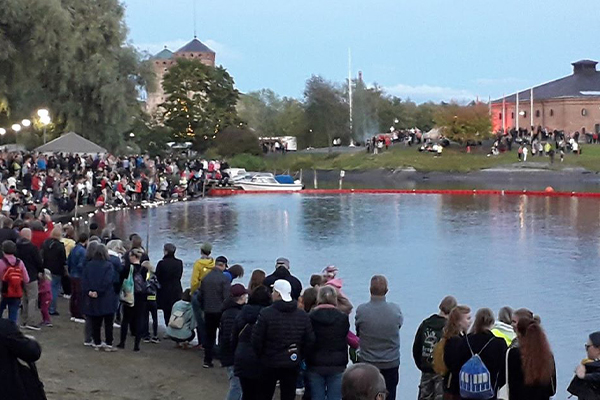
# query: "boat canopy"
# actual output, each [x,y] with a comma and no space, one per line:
[284,179]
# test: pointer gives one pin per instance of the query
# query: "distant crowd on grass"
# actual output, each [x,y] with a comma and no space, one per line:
[65,180]
[271,330]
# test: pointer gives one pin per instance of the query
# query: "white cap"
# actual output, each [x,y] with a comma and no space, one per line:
[284,288]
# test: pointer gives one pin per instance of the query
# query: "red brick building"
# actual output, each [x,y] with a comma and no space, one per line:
[161,62]
[569,104]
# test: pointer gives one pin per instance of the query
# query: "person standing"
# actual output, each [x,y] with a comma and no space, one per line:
[99,298]
[327,360]
[55,258]
[202,267]
[214,290]
[502,327]
[133,314]
[231,309]
[168,272]
[586,383]
[531,368]
[31,257]
[14,278]
[378,324]
[282,271]
[75,262]
[430,332]
[281,337]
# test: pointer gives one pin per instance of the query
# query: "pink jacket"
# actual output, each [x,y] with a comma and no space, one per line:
[12,259]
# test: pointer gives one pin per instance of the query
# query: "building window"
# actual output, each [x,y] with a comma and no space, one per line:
[584,112]
[551,113]
[166,69]
[500,116]
[512,115]
[164,63]
[537,113]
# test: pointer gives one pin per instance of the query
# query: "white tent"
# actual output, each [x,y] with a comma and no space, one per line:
[71,143]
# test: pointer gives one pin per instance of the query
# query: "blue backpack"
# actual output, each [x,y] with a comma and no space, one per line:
[474,379]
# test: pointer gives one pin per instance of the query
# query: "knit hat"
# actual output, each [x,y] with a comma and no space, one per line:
[238,290]
[595,339]
[206,248]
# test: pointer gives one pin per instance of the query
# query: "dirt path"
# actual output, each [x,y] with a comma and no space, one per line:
[159,371]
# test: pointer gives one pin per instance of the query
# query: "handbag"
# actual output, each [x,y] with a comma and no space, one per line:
[126,295]
[177,320]
[503,392]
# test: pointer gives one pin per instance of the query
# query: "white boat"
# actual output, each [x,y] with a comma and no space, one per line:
[267,183]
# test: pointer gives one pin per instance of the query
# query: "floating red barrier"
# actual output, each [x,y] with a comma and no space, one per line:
[220,192]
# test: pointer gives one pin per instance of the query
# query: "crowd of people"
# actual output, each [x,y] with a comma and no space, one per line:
[271,331]
[67,180]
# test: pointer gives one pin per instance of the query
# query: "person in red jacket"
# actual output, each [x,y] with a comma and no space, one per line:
[38,233]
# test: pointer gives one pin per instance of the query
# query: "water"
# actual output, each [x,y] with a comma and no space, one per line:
[488,251]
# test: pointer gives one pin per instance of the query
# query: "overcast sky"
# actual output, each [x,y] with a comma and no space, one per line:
[422,49]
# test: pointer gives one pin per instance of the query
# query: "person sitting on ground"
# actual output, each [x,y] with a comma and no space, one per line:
[182,323]
[363,382]
[502,327]
[586,383]
[282,271]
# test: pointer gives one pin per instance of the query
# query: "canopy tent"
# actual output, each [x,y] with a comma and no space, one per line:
[71,143]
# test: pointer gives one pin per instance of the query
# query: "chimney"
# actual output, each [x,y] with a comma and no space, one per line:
[584,67]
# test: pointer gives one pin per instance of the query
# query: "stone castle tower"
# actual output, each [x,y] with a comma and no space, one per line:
[161,62]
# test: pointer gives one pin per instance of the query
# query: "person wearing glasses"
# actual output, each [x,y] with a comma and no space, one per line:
[586,383]
[363,381]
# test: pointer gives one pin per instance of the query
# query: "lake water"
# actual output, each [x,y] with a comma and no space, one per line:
[488,251]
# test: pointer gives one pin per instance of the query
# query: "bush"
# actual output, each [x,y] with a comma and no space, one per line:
[233,141]
[249,162]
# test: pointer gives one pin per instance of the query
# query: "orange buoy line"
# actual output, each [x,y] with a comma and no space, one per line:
[221,192]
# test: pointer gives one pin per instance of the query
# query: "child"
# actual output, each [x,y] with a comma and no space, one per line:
[182,323]
[152,287]
[45,297]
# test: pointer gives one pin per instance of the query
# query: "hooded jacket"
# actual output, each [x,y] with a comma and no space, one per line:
[31,257]
[231,310]
[344,304]
[202,267]
[282,335]
[75,261]
[283,273]
[504,331]
[189,323]
[214,291]
[13,261]
[246,362]
[430,332]
[330,352]
[587,388]
[98,277]
[54,256]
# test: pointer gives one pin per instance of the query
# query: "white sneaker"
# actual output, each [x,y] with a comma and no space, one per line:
[78,320]
[72,319]
[300,392]
[109,349]
[66,296]
[88,344]
[33,327]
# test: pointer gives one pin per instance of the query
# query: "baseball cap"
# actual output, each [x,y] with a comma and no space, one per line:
[284,288]
[282,261]
[238,290]
[222,260]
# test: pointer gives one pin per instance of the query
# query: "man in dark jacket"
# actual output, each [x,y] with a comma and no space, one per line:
[55,258]
[168,273]
[283,334]
[282,271]
[75,263]
[214,291]
[231,309]
[7,232]
[430,332]
[15,346]
[586,383]
[31,257]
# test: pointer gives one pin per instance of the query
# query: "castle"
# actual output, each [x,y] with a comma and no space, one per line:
[161,62]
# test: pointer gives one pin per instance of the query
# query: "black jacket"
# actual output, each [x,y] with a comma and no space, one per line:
[517,390]
[282,335]
[451,359]
[493,356]
[13,346]
[329,354]
[31,257]
[283,273]
[8,234]
[168,272]
[246,362]
[430,332]
[589,387]
[54,256]
[231,310]
[214,291]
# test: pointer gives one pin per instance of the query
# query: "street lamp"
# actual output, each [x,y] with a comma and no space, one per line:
[42,112]
[26,123]
[16,127]
[44,120]
[2,131]
[132,135]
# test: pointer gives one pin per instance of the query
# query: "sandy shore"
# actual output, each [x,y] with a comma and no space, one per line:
[159,371]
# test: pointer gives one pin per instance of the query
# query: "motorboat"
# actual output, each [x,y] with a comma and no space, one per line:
[264,182]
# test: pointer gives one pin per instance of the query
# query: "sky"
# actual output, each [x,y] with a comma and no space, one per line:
[436,50]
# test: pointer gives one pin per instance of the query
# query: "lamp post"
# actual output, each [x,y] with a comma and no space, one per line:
[44,119]
[2,133]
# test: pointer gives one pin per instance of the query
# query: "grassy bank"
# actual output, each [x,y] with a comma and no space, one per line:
[453,160]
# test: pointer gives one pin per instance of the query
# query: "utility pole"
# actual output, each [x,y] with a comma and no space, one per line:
[350,87]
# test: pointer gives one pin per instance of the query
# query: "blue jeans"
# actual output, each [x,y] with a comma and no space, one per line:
[325,386]
[235,387]
[200,324]
[13,308]
[56,285]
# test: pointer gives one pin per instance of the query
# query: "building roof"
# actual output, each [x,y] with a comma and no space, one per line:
[71,143]
[195,46]
[164,54]
[583,83]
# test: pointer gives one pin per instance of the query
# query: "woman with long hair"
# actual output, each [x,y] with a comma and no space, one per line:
[531,369]
[458,324]
[256,279]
